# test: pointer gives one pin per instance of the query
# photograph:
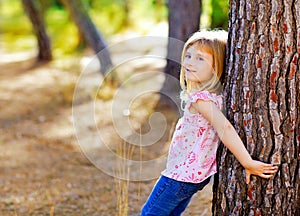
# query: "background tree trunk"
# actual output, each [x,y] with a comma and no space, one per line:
[184,19]
[262,93]
[37,21]
[90,32]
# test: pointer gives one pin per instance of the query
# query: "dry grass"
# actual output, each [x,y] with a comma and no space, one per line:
[122,185]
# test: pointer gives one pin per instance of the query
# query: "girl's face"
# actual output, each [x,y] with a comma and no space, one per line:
[198,65]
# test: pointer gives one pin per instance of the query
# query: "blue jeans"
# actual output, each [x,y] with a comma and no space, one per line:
[170,197]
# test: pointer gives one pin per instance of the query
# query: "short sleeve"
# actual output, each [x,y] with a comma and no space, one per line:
[203,95]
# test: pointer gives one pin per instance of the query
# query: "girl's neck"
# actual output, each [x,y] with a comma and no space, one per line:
[216,90]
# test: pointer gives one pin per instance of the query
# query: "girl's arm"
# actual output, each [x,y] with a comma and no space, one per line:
[232,141]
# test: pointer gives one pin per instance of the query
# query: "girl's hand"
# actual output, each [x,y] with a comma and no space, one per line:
[261,169]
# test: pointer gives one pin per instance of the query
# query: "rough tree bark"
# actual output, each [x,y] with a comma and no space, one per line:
[90,32]
[262,93]
[37,21]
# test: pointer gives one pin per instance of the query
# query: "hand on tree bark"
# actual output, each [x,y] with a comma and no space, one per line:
[261,169]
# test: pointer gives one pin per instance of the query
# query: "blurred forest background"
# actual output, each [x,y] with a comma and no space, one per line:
[110,16]
[42,168]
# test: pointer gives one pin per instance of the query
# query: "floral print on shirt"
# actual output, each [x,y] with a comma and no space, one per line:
[192,154]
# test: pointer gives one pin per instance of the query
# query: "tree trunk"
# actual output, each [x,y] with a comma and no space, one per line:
[90,32]
[126,6]
[184,19]
[262,93]
[39,30]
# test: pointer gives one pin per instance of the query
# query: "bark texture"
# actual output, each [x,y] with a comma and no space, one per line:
[37,21]
[262,96]
[90,32]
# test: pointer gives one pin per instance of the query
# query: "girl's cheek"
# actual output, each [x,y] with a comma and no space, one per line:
[185,62]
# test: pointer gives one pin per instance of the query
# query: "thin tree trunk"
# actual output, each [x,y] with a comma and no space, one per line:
[36,19]
[262,93]
[90,32]
[126,6]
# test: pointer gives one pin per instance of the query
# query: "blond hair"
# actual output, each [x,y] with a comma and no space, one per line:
[214,43]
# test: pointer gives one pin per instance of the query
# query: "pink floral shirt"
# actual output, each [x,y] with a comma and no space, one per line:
[192,154]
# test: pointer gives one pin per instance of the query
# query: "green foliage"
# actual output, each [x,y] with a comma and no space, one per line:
[17,33]
[154,11]
[14,11]
[110,16]
[113,16]
[215,14]
[219,17]
[205,20]
[15,27]
[61,30]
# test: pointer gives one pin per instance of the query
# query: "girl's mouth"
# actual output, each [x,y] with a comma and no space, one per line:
[189,71]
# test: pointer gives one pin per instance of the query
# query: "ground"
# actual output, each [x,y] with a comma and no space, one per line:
[43,168]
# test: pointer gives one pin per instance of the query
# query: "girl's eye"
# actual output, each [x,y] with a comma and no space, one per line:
[200,59]
[188,56]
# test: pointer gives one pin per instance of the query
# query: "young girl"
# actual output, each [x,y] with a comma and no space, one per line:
[192,155]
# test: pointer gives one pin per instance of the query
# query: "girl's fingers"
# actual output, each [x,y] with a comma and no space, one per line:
[272,170]
[270,166]
[263,170]
[248,178]
[269,171]
[266,176]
